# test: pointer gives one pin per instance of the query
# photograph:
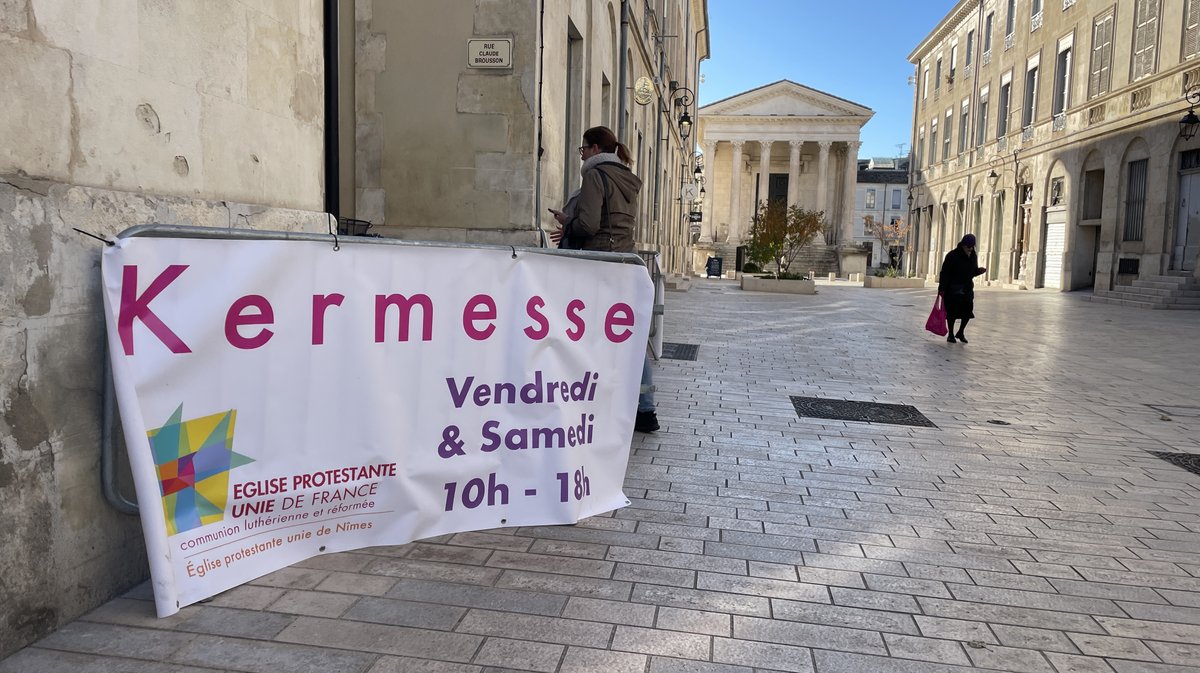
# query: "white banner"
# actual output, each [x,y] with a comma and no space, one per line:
[282,400]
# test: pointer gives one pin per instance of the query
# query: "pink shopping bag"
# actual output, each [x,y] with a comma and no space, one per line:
[937,318]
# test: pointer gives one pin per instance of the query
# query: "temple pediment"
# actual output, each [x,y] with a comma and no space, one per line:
[785,99]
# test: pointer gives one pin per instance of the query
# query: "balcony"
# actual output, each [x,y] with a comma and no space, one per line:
[1001,144]
[1035,22]
[1008,41]
[1027,134]
[1095,114]
[1140,99]
[1060,122]
[987,57]
[1067,4]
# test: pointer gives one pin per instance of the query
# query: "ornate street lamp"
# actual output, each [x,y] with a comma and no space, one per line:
[1190,122]
[683,98]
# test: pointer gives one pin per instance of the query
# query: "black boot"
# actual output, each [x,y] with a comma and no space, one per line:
[646,421]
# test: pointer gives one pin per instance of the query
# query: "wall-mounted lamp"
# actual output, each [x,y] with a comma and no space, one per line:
[1190,122]
[992,178]
[683,97]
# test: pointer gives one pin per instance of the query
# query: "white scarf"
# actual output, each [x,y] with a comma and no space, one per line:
[589,164]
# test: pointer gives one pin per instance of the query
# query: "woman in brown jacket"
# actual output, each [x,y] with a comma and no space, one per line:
[601,216]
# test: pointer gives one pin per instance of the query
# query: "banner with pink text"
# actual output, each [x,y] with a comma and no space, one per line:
[282,399]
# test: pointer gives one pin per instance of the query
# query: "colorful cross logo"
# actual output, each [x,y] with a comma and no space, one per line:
[193,459]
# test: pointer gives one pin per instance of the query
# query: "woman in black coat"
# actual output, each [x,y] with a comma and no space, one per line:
[956,287]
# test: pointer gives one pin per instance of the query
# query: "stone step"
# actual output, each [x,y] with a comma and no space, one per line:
[1155,285]
[1103,299]
[1156,289]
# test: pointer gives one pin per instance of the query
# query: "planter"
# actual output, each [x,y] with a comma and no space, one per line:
[756,284]
[885,282]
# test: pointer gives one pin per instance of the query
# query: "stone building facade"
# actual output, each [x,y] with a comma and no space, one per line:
[117,113]
[446,148]
[1050,129]
[782,140]
[880,197]
[213,113]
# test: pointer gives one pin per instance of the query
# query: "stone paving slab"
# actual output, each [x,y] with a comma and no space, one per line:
[759,542]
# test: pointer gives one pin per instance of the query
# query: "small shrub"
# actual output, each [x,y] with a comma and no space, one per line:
[891,272]
[751,267]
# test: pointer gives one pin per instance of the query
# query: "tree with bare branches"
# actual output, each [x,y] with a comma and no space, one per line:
[778,232]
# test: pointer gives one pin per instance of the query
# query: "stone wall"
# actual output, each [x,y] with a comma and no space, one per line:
[130,112]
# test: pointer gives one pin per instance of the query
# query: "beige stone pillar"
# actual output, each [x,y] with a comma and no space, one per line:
[735,191]
[710,170]
[847,233]
[794,172]
[764,171]
[823,178]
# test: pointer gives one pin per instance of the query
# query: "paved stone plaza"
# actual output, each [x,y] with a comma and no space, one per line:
[761,541]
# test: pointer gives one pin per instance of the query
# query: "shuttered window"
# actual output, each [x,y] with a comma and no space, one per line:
[1191,30]
[1135,201]
[933,142]
[1100,72]
[946,128]
[1002,111]
[981,123]
[1145,38]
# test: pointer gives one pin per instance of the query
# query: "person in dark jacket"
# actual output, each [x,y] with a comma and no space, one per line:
[957,288]
[601,215]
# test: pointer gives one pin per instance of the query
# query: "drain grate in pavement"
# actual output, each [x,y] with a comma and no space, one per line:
[1175,410]
[674,351]
[852,410]
[1188,461]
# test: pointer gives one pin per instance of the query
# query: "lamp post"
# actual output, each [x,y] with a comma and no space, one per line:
[1190,122]
[683,97]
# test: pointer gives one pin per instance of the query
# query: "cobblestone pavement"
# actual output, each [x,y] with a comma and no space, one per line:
[761,541]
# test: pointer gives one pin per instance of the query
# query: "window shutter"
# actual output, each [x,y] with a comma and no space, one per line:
[1191,29]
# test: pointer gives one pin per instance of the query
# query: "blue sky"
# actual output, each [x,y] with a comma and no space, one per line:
[855,49]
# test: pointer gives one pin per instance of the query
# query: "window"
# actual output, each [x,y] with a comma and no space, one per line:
[1062,78]
[895,201]
[920,151]
[1002,108]
[964,125]
[1135,200]
[1100,71]
[981,123]
[925,84]
[987,32]
[970,48]
[953,62]
[1029,109]
[933,142]
[946,134]
[1035,7]
[1010,21]
[1191,30]
[870,203]
[937,75]
[1145,39]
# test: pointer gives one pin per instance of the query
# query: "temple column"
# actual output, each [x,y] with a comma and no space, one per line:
[847,234]
[710,165]
[764,172]
[823,177]
[735,190]
[794,172]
